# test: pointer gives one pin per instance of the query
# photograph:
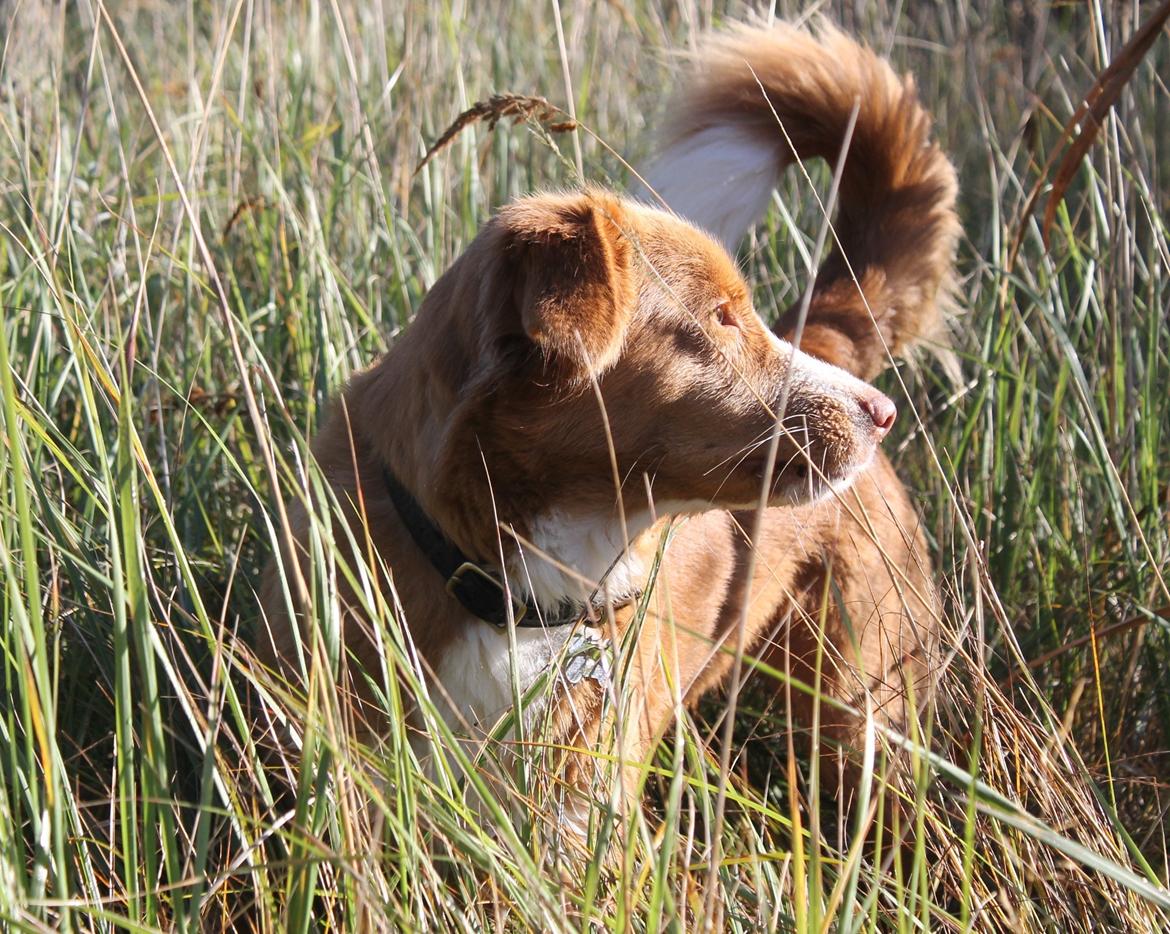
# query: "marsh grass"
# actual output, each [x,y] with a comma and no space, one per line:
[209,218]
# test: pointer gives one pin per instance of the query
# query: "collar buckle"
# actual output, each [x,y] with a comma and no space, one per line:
[481,591]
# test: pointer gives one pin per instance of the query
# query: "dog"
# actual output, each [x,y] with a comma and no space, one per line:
[553,473]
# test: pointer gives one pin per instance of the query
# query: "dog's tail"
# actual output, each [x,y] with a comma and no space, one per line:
[757,99]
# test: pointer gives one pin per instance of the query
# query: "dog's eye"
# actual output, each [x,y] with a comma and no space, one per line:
[723,315]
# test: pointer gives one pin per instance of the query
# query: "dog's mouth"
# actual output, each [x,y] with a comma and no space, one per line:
[799,481]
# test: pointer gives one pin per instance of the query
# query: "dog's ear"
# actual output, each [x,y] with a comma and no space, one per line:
[573,282]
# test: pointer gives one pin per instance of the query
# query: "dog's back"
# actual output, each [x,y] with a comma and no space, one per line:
[754,101]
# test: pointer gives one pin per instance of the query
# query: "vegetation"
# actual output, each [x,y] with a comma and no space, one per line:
[209,219]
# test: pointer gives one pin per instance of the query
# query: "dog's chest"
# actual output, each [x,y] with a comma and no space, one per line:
[479,679]
[476,671]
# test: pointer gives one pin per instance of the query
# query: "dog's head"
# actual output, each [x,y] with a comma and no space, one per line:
[593,331]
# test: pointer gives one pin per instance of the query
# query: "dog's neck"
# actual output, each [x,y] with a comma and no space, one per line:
[556,555]
[579,557]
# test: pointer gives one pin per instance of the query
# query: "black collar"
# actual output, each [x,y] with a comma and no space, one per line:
[480,590]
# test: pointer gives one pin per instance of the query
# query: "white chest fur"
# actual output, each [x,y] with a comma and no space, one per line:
[475,673]
[476,670]
[582,549]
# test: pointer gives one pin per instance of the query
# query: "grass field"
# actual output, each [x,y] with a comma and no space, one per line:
[208,220]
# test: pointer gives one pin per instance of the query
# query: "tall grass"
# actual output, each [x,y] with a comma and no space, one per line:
[208,220]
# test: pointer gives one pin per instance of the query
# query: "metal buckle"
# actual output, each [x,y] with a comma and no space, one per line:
[519,609]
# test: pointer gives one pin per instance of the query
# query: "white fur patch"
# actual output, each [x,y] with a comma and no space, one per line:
[590,546]
[475,688]
[476,672]
[720,179]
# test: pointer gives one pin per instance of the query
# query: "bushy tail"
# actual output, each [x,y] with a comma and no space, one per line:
[754,100]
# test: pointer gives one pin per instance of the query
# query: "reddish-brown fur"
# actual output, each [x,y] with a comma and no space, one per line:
[485,409]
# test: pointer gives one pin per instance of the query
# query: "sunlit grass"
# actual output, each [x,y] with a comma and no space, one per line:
[208,220]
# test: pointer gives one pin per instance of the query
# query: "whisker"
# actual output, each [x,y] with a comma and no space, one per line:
[755,445]
[801,451]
